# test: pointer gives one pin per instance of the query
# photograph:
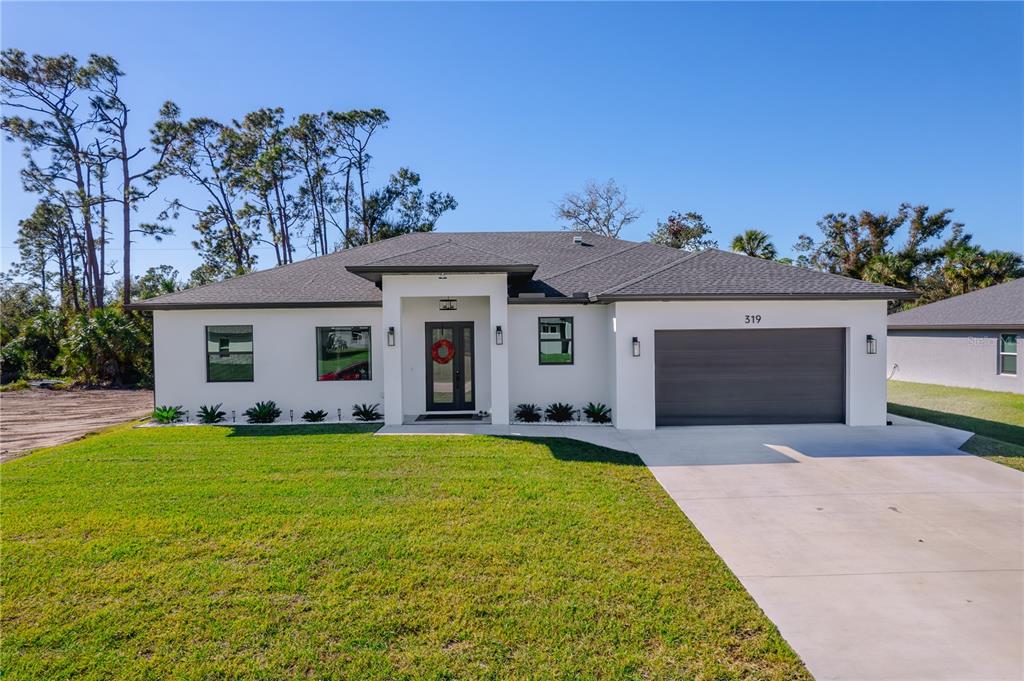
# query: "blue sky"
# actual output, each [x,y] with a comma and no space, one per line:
[756,115]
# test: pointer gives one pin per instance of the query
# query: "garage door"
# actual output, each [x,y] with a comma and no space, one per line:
[749,376]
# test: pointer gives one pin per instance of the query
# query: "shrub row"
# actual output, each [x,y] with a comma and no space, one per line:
[561,412]
[261,412]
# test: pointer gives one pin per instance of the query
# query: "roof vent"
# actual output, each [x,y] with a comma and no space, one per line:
[577,239]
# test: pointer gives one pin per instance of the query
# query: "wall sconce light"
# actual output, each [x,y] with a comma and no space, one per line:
[636,346]
[872,345]
[391,336]
[448,304]
[499,338]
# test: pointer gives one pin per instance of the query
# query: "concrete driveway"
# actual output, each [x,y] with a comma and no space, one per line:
[880,553]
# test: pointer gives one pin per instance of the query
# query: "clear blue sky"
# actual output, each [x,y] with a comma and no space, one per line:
[756,115]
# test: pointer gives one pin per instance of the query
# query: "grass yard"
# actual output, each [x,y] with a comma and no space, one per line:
[996,418]
[274,552]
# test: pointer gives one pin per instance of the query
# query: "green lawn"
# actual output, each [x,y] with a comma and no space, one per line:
[326,552]
[996,418]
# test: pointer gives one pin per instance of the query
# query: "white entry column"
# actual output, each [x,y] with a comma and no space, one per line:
[499,353]
[392,316]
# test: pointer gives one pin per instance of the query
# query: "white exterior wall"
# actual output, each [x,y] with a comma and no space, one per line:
[284,360]
[588,379]
[604,370]
[965,359]
[634,376]
[395,288]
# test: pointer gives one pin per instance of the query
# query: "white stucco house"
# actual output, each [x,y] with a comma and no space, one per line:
[455,324]
[968,341]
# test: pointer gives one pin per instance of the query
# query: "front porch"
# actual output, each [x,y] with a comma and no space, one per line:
[443,354]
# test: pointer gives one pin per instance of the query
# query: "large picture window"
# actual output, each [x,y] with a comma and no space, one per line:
[343,353]
[1008,354]
[555,340]
[228,354]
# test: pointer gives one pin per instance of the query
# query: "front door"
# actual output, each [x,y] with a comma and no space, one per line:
[450,367]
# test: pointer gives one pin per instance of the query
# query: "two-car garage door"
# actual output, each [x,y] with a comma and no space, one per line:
[749,376]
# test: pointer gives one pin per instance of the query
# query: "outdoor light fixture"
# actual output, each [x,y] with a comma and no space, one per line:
[498,337]
[636,346]
[391,336]
[448,304]
[872,345]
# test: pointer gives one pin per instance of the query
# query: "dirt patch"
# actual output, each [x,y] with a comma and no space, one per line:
[38,417]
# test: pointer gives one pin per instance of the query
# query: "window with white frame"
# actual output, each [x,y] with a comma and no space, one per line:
[1008,354]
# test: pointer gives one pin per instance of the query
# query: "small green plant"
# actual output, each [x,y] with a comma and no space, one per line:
[314,416]
[527,413]
[366,412]
[166,414]
[598,413]
[263,412]
[559,412]
[20,384]
[211,414]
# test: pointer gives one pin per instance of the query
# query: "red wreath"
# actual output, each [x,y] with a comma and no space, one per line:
[449,351]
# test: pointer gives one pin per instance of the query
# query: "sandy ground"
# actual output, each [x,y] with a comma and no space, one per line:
[39,417]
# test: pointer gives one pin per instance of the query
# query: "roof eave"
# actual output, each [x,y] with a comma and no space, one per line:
[615,297]
[374,273]
[143,306]
[1016,326]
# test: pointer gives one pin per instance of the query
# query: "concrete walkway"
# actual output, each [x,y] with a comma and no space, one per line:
[880,553]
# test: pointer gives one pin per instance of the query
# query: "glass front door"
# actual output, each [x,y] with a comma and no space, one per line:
[450,368]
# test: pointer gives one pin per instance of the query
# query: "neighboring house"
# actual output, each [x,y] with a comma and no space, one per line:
[455,323]
[970,341]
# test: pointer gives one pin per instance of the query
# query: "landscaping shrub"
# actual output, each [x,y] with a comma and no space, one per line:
[263,412]
[559,412]
[208,414]
[314,416]
[367,412]
[598,413]
[166,414]
[527,413]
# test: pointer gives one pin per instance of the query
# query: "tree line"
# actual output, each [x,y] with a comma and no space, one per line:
[297,185]
[936,258]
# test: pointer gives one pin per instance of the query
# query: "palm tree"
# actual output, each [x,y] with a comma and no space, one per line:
[755,243]
[889,269]
[963,269]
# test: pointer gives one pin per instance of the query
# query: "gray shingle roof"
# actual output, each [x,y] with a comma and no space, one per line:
[447,256]
[601,267]
[722,274]
[995,307]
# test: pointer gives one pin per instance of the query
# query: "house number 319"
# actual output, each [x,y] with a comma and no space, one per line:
[752,319]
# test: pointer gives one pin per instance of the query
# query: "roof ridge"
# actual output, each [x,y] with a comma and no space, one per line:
[402,255]
[684,258]
[597,259]
[802,268]
[491,253]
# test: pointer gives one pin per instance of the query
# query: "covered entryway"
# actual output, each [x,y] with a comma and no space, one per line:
[750,376]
